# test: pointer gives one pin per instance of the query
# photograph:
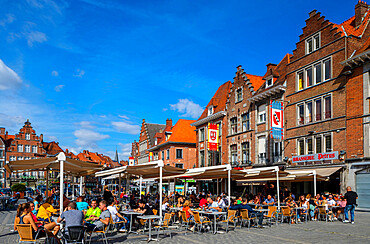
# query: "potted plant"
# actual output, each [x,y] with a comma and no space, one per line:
[18,188]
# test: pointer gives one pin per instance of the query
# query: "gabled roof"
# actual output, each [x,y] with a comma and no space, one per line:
[218,100]
[52,148]
[256,81]
[350,28]
[183,131]
[152,129]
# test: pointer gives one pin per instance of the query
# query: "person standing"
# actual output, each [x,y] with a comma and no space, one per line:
[351,197]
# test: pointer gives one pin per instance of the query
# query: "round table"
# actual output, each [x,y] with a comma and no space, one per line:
[149,219]
[215,214]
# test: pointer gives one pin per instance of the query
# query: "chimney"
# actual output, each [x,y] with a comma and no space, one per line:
[6,136]
[169,123]
[360,9]
[2,131]
[270,66]
[41,138]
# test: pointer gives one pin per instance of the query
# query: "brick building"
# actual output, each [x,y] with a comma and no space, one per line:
[177,146]
[214,113]
[240,119]
[324,99]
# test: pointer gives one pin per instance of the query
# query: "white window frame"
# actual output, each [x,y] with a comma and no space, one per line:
[233,125]
[28,136]
[12,158]
[182,153]
[246,122]
[331,141]
[19,158]
[261,114]
[313,101]
[210,110]
[270,78]
[201,134]
[34,149]
[314,42]
[298,146]
[19,148]
[168,154]
[241,95]
[27,148]
[312,67]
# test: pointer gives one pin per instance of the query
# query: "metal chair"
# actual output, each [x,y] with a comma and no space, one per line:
[322,212]
[272,214]
[246,218]
[231,218]
[184,221]
[75,234]
[164,225]
[198,223]
[286,213]
[102,232]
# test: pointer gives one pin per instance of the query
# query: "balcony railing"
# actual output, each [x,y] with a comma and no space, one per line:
[277,157]
[262,158]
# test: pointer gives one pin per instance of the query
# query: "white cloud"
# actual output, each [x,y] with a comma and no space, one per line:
[164,109]
[187,108]
[86,124]
[125,151]
[51,138]
[8,20]
[124,117]
[58,88]
[80,73]
[88,139]
[35,36]
[54,73]
[8,78]
[126,127]
[10,120]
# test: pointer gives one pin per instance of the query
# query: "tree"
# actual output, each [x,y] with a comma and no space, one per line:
[19,187]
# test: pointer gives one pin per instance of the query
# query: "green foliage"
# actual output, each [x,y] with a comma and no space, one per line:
[19,187]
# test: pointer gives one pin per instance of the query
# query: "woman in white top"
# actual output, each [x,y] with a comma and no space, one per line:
[165,205]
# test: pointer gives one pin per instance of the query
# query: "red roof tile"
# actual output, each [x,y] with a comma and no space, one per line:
[350,28]
[183,131]
[256,81]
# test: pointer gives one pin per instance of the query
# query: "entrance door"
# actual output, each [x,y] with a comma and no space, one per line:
[363,189]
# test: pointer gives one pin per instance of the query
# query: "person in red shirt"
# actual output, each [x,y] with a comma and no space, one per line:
[203,201]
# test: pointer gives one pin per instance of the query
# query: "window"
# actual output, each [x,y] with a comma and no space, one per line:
[178,153]
[27,158]
[309,108]
[233,126]
[328,147]
[12,158]
[201,134]
[163,155]
[34,149]
[201,158]
[301,147]
[1,153]
[318,144]
[245,153]
[27,148]
[239,95]
[309,112]
[20,148]
[327,69]
[300,114]
[234,154]
[313,43]
[269,82]
[261,149]
[181,166]
[168,154]
[313,74]
[210,110]
[318,109]
[28,137]
[318,73]
[277,154]
[309,146]
[245,122]
[19,158]
[327,107]
[155,141]
[262,113]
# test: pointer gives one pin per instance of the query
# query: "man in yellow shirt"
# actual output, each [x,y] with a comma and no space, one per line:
[93,212]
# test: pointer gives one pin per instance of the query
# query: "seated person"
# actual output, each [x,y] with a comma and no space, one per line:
[144,209]
[269,200]
[221,203]
[23,217]
[180,202]
[71,217]
[81,204]
[38,223]
[186,209]
[93,212]
[117,217]
[251,212]
[37,203]
[102,220]
[203,201]
[212,205]
[46,210]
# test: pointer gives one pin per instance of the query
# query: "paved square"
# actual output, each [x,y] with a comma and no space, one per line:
[312,232]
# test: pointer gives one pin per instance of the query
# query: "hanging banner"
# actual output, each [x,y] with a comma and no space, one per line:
[213,134]
[277,119]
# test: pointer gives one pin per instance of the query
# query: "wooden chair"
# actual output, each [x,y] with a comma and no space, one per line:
[198,223]
[246,218]
[322,212]
[231,218]
[286,213]
[25,233]
[184,221]
[113,224]
[164,225]
[272,214]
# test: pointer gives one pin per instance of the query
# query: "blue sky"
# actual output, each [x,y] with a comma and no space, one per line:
[86,72]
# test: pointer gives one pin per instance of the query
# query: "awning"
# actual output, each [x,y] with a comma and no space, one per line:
[322,173]
[109,172]
[151,170]
[71,166]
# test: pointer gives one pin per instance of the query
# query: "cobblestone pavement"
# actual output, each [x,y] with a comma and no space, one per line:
[311,232]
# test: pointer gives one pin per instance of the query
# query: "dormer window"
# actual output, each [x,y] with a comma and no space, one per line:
[313,43]
[269,82]
[210,110]
[156,141]
[239,95]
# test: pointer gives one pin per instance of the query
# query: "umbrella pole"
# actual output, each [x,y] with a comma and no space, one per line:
[218,192]
[81,178]
[47,183]
[229,183]
[61,159]
[141,183]
[119,185]
[314,182]
[160,190]
[278,190]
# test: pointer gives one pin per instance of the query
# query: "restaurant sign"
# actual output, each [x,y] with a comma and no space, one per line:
[315,157]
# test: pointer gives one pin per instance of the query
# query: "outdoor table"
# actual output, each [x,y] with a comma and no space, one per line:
[296,213]
[214,213]
[149,218]
[261,210]
[131,213]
